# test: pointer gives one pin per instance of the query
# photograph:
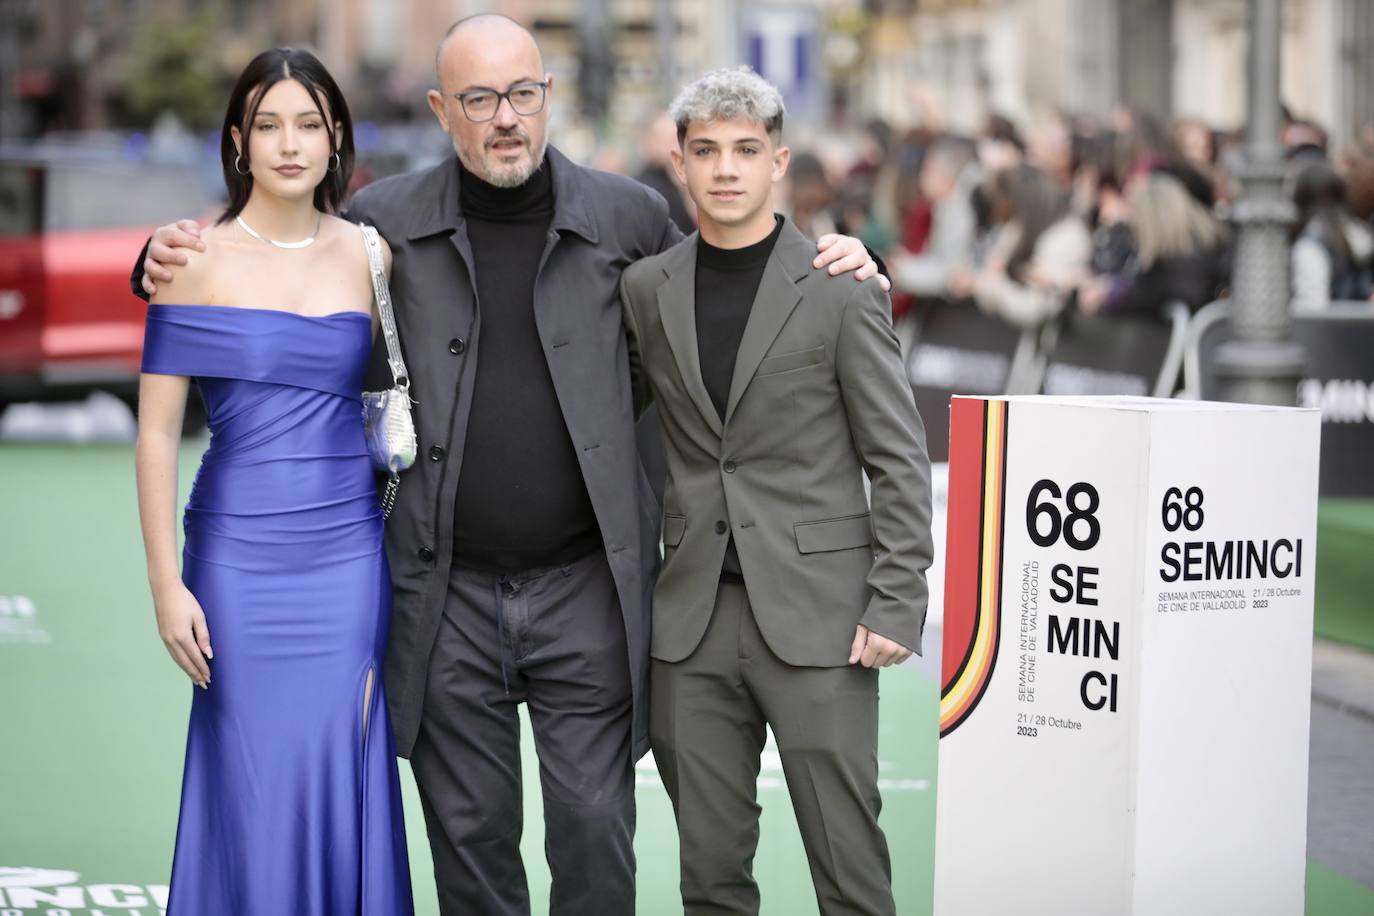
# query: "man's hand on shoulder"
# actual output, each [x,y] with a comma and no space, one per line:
[193,281]
[844,254]
[875,651]
[168,247]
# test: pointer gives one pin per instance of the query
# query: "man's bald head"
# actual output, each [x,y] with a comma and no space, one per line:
[481,61]
[481,27]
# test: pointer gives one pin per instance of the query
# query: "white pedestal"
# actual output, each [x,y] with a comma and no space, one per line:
[1127,657]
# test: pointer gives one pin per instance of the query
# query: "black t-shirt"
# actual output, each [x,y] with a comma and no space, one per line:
[727,282]
[522,502]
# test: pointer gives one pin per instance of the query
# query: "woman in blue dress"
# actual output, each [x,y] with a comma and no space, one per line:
[290,799]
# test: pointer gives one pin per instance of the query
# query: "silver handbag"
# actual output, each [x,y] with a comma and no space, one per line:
[387,424]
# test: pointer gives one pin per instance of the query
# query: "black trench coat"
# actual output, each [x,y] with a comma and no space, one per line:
[601,223]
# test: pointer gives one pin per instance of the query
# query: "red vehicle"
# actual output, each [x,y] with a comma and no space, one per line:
[71,225]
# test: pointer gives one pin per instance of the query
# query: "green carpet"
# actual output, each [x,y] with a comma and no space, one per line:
[1330,893]
[1345,571]
[95,715]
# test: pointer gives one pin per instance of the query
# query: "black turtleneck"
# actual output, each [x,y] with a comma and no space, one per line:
[727,282]
[522,502]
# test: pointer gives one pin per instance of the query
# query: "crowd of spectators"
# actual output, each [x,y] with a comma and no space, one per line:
[1123,217]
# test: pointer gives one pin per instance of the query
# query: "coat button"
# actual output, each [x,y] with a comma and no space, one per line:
[457,345]
[730,466]
[426,554]
[721,527]
[436,453]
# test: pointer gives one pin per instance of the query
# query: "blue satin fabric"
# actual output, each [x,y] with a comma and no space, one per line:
[289,805]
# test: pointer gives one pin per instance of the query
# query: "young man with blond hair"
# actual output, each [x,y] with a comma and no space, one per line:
[782,593]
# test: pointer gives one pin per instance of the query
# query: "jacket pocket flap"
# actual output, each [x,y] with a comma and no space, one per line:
[834,534]
[786,362]
[673,528]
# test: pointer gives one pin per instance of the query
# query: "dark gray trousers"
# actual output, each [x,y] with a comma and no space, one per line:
[707,722]
[553,639]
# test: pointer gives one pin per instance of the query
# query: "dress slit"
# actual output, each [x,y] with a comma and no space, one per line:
[367,701]
[363,780]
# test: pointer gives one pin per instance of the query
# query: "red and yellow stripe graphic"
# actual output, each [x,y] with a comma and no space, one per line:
[973,568]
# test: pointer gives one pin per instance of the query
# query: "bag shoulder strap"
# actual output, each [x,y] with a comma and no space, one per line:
[373,244]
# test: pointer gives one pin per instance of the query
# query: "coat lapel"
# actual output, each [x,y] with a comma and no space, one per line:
[778,295]
[677,311]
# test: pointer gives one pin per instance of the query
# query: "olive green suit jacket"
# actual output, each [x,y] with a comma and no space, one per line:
[818,398]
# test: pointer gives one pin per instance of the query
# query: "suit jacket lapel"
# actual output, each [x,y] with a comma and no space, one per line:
[778,295]
[677,311]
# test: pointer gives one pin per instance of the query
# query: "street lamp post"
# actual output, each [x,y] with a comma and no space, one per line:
[665,34]
[595,63]
[1262,365]
[9,67]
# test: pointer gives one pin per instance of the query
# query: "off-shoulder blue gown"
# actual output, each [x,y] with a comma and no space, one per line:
[290,801]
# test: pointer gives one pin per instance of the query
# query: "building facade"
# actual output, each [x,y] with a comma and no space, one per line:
[69,63]
[1173,58]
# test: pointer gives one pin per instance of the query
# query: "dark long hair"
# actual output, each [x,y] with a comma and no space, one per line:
[262,73]
[1320,195]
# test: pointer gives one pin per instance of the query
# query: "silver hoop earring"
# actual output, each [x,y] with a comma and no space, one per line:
[338,163]
[237,161]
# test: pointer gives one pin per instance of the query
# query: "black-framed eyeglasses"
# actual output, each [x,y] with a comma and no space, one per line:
[481,104]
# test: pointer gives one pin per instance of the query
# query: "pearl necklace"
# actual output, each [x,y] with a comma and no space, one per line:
[303,243]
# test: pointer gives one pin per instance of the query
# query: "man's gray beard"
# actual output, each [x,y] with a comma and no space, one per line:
[505,179]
